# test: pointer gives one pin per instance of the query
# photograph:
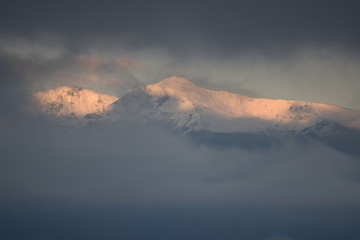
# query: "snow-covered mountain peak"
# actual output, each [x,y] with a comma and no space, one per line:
[209,116]
[188,106]
[184,105]
[172,85]
[70,88]
[73,101]
[175,82]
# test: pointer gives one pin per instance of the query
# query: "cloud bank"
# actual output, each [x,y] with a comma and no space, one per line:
[138,180]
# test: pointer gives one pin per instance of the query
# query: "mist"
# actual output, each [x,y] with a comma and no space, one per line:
[137,163]
[130,172]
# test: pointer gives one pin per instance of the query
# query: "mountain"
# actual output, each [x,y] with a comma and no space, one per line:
[223,119]
[74,103]
[186,106]
[218,118]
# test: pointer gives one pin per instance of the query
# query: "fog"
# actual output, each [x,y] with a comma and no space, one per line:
[134,172]
[132,163]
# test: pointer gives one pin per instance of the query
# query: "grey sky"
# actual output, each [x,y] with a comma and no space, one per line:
[279,49]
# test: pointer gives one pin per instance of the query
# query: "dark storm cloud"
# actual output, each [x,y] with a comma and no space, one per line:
[229,27]
[290,50]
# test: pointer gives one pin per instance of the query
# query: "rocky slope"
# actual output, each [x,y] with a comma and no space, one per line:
[184,105]
[71,102]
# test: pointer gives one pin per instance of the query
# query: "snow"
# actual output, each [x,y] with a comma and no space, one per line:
[197,108]
[185,105]
[73,101]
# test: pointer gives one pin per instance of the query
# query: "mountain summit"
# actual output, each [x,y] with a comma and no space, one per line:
[176,83]
[209,116]
[184,105]
[73,102]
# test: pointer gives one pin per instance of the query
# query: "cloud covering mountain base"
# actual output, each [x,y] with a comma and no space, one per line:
[131,181]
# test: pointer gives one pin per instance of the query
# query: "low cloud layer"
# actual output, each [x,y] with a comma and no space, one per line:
[141,179]
[131,164]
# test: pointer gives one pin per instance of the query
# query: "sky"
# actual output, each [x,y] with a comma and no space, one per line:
[282,50]
[131,182]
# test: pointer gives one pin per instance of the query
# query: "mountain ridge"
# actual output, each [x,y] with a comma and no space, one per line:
[73,102]
[183,105]
[188,106]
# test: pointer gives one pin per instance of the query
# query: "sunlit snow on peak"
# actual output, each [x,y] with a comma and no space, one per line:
[180,101]
[73,101]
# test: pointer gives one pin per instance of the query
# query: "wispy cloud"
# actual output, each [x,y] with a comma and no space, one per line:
[43,48]
[309,73]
